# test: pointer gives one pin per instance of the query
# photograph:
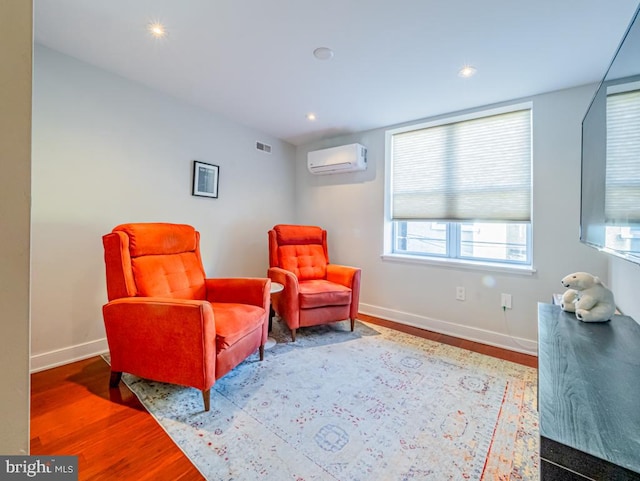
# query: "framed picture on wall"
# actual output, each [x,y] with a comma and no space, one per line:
[205,179]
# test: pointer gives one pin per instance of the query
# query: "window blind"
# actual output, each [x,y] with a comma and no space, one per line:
[471,170]
[622,185]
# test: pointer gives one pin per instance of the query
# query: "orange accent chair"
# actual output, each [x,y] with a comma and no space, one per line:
[165,321]
[315,292]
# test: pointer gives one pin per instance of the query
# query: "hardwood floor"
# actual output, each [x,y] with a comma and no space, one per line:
[73,412]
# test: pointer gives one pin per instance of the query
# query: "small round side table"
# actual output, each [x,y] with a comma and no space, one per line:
[275,287]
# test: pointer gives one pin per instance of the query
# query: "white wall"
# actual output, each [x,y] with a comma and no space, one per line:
[624,279]
[15,189]
[108,151]
[351,206]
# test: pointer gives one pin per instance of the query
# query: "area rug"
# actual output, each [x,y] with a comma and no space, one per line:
[373,404]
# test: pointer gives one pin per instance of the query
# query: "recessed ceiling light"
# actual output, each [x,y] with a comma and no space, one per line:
[311,116]
[467,71]
[323,53]
[157,30]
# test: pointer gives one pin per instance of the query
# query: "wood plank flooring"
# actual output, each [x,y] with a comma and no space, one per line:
[73,412]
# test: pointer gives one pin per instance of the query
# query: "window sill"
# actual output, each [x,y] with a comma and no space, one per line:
[462,264]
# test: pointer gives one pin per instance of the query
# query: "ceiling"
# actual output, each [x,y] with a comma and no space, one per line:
[252,60]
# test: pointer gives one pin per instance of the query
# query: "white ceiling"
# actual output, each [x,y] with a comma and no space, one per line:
[251,60]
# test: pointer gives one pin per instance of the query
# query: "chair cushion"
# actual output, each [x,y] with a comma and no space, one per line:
[159,238]
[234,321]
[178,276]
[319,293]
[298,234]
[305,261]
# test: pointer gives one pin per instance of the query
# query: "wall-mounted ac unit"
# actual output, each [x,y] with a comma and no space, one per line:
[335,160]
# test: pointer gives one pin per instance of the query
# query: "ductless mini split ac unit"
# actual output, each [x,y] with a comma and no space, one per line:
[335,160]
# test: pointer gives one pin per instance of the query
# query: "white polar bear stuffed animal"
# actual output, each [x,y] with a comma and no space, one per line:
[588,297]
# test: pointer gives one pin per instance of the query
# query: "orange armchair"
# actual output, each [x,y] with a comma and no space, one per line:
[315,292]
[165,321]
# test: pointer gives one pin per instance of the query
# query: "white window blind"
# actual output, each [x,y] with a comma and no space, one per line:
[471,170]
[622,188]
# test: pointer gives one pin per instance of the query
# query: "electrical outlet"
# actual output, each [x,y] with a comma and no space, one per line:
[460,294]
[505,301]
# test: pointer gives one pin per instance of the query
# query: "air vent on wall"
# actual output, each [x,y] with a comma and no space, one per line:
[264,147]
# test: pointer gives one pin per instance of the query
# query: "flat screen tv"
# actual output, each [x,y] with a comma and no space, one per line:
[610,181]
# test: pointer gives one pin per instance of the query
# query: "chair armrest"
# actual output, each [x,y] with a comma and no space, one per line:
[343,275]
[170,340]
[286,303]
[242,290]
[348,277]
[286,278]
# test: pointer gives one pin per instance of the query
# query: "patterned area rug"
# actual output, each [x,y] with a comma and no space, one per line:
[374,404]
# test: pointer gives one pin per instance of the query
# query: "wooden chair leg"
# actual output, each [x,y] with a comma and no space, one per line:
[353,324]
[114,380]
[262,352]
[293,335]
[206,397]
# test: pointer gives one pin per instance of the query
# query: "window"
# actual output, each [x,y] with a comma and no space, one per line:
[461,189]
[473,241]
[622,190]
[622,182]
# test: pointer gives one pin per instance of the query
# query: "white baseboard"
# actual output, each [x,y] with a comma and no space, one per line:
[482,336]
[60,357]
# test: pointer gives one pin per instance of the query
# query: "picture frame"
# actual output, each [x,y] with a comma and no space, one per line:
[205,179]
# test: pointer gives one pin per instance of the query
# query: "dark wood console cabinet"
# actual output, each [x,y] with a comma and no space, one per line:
[588,397]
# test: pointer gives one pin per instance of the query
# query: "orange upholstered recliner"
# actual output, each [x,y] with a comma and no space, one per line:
[165,321]
[315,292]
